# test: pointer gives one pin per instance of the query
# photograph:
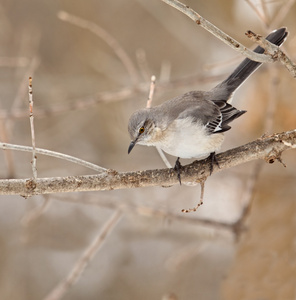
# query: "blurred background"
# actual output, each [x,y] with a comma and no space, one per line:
[91,64]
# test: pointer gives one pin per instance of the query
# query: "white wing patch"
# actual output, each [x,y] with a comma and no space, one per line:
[215,125]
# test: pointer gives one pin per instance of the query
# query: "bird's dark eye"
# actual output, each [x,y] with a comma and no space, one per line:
[141,130]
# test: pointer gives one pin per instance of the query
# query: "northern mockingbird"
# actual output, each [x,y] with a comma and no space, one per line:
[192,125]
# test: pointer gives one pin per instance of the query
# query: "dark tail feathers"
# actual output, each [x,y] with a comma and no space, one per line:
[246,68]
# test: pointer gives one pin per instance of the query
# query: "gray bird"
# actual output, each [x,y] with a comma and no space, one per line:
[192,125]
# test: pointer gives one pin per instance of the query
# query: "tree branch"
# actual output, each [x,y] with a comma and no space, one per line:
[268,148]
[269,55]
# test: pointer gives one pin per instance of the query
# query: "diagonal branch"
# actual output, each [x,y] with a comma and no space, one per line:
[268,148]
[267,57]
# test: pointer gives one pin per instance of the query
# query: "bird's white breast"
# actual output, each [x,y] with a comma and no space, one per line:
[185,139]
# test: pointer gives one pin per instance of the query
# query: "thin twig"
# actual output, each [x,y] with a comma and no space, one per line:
[59,155]
[148,105]
[218,33]
[7,124]
[151,91]
[273,50]
[34,156]
[148,212]
[265,11]
[105,36]
[121,95]
[163,157]
[282,13]
[260,14]
[202,191]
[80,266]
[269,55]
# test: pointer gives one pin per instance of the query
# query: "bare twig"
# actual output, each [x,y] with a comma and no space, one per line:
[202,186]
[218,33]
[151,91]
[260,14]
[265,11]
[123,94]
[155,212]
[281,13]
[6,123]
[104,35]
[274,51]
[268,148]
[34,156]
[148,105]
[70,158]
[267,57]
[78,269]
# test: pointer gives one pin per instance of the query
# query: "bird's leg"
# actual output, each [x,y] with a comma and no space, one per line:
[213,161]
[177,168]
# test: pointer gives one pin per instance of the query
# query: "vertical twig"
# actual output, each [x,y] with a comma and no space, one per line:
[151,91]
[34,157]
[83,261]
[148,105]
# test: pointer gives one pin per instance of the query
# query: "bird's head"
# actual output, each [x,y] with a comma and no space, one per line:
[141,128]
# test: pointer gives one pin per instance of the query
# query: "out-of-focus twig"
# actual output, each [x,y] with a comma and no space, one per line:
[282,13]
[143,64]
[79,267]
[148,105]
[31,104]
[151,91]
[105,36]
[13,62]
[262,16]
[35,213]
[59,155]
[123,94]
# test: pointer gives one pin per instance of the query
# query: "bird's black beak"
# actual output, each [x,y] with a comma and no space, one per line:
[131,146]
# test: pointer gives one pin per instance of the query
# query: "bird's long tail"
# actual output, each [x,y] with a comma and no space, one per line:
[247,67]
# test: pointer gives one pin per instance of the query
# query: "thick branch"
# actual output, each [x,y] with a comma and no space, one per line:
[268,148]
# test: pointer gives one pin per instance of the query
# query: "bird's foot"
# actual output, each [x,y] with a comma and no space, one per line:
[213,161]
[177,168]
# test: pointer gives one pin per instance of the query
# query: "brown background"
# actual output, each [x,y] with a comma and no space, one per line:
[154,250]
